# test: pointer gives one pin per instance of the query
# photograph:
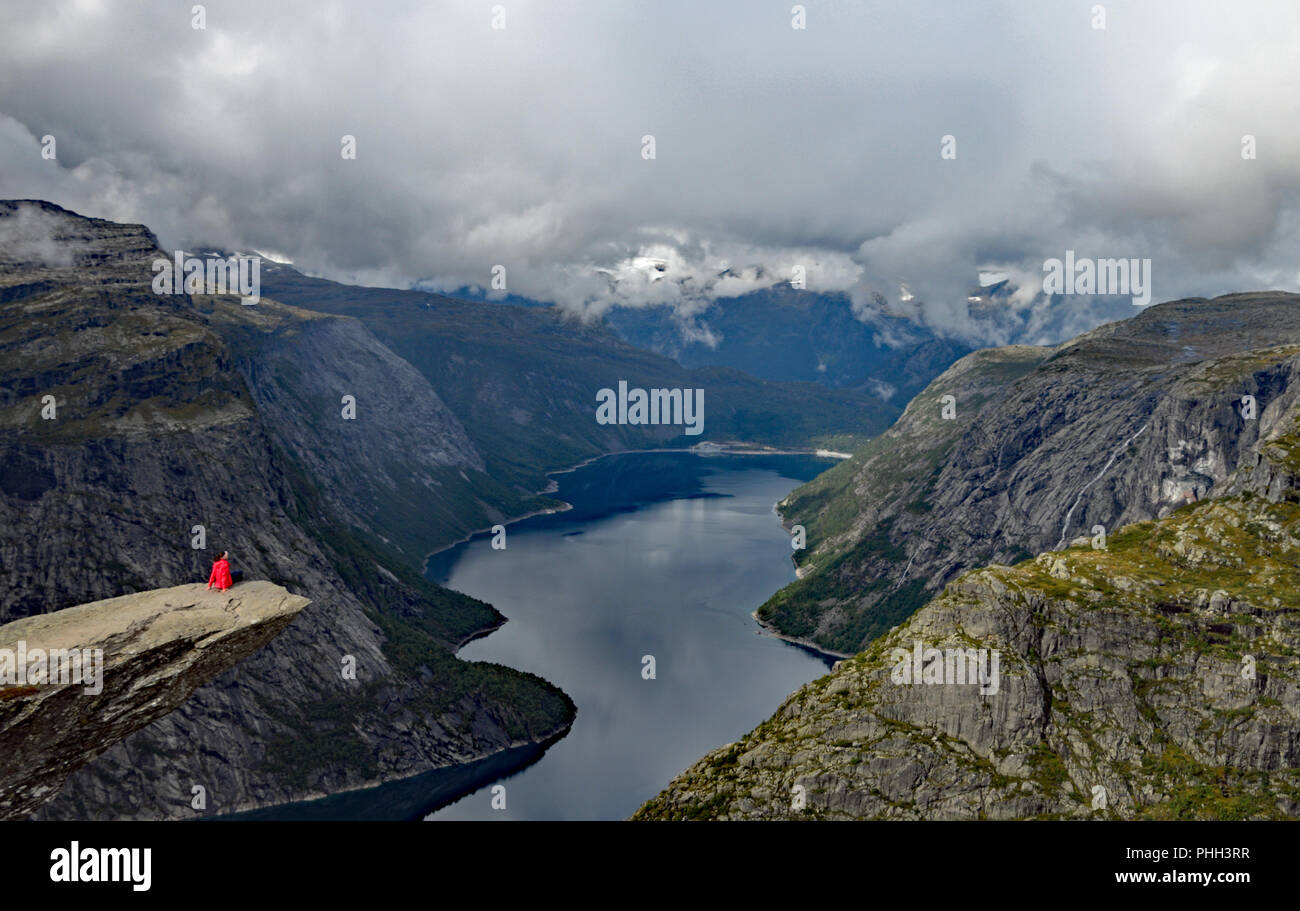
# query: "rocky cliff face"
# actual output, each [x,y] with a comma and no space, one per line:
[403,467]
[147,653]
[1157,676]
[1035,447]
[154,431]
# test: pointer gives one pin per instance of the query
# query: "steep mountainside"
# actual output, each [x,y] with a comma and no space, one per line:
[1040,445]
[1157,677]
[404,468]
[154,431]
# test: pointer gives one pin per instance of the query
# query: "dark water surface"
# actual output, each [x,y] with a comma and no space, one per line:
[664,554]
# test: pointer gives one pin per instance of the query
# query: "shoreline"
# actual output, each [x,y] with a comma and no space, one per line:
[537,747]
[825,656]
[552,485]
[770,630]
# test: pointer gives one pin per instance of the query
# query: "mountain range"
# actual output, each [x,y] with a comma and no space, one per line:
[1035,446]
[1147,658]
[143,432]
[1113,517]
[781,333]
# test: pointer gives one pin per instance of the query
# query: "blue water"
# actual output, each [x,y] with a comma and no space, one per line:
[664,555]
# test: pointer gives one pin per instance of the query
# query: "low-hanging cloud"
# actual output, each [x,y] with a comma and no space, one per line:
[775,147]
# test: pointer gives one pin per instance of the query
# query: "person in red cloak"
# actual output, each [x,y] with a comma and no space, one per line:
[220,578]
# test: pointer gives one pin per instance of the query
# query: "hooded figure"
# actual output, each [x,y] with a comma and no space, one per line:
[220,578]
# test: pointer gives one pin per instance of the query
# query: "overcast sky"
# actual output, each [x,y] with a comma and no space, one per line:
[774,146]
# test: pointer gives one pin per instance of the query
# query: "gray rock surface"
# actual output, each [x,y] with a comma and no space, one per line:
[154,649]
[1122,424]
[1156,678]
[1152,674]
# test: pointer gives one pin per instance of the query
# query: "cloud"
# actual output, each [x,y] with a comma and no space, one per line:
[31,237]
[775,147]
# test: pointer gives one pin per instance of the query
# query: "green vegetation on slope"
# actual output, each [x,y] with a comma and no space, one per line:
[1121,667]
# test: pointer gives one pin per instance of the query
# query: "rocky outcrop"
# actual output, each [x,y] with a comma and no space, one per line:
[1035,447]
[136,658]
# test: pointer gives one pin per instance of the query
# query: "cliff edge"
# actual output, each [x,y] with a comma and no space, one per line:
[122,664]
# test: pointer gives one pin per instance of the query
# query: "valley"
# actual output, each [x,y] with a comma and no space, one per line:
[223,418]
[193,411]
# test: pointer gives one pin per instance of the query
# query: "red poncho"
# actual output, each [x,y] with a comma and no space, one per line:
[220,577]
